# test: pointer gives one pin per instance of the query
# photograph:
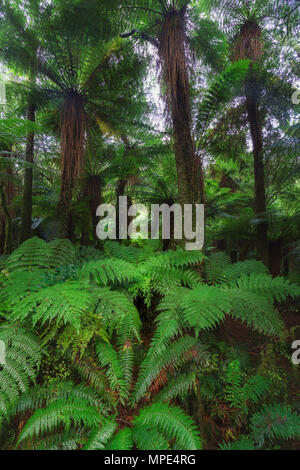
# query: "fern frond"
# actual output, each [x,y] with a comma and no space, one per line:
[60,413]
[64,302]
[255,310]
[276,288]
[173,423]
[109,359]
[130,254]
[215,265]
[177,353]
[236,270]
[22,361]
[89,371]
[35,253]
[149,438]
[275,422]
[19,284]
[42,396]
[110,271]
[205,306]
[240,391]
[242,444]
[177,387]
[122,440]
[100,437]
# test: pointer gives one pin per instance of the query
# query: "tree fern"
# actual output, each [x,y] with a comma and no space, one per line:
[122,440]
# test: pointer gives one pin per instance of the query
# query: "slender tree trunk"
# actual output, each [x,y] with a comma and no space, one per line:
[251,91]
[275,253]
[7,213]
[28,178]
[2,232]
[7,222]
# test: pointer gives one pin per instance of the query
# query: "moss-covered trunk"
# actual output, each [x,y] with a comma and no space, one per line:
[73,135]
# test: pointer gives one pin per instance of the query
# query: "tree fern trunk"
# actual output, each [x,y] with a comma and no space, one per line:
[173,56]
[28,178]
[251,91]
[65,223]
[73,136]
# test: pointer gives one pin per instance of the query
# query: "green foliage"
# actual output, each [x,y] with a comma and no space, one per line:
[239,392]
[272,422]
[173,423]
[22,361]
[112,345]
[35,253]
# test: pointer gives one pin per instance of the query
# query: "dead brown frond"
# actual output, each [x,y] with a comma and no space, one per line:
[248,44]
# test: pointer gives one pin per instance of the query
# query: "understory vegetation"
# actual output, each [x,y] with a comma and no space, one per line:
[138,343]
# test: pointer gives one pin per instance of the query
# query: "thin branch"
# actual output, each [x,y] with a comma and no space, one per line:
[163,5]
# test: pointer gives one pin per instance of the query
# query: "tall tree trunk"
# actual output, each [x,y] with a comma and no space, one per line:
[28,178]
[7,213]
[73,135]
[251,91]
[172,51]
